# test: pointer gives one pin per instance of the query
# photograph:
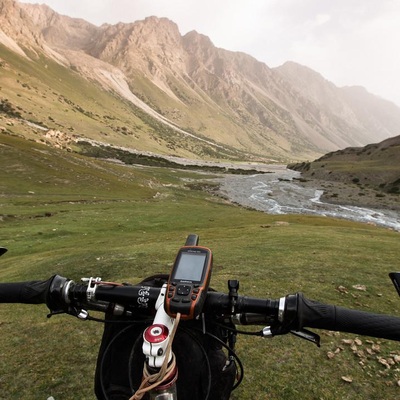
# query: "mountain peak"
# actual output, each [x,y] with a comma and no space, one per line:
[199,39]
[224,99]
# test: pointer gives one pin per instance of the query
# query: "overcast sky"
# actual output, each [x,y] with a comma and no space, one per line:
[349,42]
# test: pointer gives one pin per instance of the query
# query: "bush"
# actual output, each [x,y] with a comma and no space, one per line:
[7,108]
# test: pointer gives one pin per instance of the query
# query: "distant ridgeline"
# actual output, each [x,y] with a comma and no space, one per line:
[376,165]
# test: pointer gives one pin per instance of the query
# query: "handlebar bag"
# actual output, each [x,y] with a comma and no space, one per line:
[203,366]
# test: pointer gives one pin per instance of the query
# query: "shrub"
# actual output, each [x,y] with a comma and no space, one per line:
[7,108]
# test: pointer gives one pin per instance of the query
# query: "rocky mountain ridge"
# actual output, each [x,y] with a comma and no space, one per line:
[223,97]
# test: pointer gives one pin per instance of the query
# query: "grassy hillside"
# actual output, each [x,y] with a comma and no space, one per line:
[55,97]
[75,216]
[376,165]
[368,176]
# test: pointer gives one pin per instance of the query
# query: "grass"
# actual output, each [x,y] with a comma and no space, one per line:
[75,216]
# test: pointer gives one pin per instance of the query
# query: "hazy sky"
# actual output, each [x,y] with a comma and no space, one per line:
[349,42]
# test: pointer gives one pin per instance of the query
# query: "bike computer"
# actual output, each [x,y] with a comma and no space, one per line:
[188,282]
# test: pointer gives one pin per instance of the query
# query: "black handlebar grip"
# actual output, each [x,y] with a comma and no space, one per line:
[312,314]
[31,292]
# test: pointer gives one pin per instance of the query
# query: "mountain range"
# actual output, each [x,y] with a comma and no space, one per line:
[144,86]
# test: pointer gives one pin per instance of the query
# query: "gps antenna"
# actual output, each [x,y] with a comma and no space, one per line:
[192,240]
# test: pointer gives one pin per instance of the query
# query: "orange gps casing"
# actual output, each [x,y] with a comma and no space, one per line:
[188,282]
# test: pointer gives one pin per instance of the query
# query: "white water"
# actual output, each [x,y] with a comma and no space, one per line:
[277,193]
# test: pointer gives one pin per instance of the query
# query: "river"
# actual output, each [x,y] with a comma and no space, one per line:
[277,193]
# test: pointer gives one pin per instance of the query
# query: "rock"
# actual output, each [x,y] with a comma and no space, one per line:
[347,379]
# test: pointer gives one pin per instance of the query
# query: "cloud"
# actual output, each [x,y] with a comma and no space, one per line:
[322,19]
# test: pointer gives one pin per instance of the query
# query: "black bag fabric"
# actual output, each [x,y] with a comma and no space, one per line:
[202,364]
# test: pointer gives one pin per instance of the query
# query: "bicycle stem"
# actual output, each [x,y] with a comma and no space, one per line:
[156,337]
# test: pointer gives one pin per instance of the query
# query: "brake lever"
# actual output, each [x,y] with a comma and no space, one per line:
[308,335]
[270,331]
[395,277]
[75,312]
[52,313]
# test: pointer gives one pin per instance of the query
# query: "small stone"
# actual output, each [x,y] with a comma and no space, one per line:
[347,379]
[360,287]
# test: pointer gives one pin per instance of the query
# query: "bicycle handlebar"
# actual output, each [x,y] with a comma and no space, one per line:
[290,313]
[32,292]
[313,314]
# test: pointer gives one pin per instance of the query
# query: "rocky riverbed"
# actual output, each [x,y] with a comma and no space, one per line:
[283,191]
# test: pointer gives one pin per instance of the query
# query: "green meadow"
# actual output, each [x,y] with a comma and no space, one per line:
[77,216]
